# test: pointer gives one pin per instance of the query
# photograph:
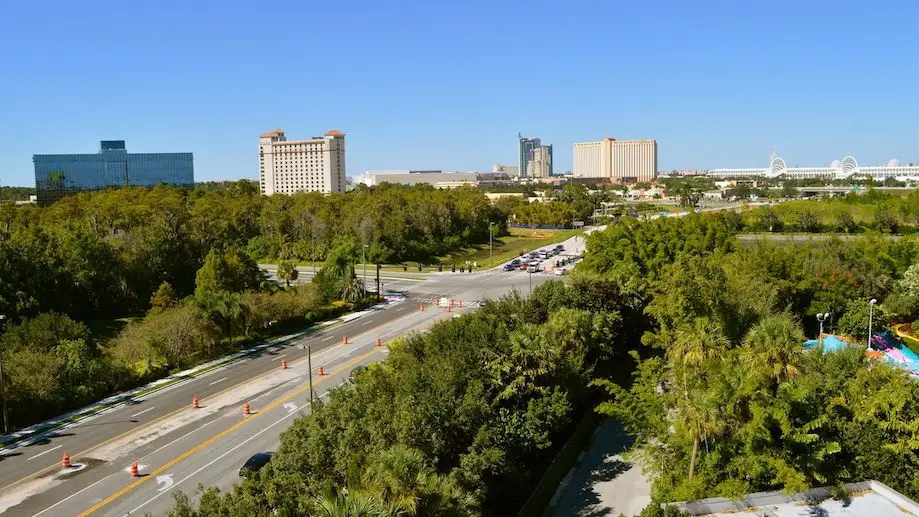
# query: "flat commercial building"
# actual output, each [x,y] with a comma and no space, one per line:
[846,168]
[314,165]
[622,161]
[57,175]
[437,178]
[512,171]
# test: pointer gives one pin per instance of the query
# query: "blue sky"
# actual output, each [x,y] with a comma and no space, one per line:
[448,85]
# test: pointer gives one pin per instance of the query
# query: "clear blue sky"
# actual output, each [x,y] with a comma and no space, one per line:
[430,84]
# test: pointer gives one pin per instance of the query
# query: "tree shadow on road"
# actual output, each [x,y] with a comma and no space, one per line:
[605,464]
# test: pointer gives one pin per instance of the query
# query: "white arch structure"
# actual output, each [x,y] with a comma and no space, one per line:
[840,169]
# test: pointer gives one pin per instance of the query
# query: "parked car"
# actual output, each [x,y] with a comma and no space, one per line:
[255,463]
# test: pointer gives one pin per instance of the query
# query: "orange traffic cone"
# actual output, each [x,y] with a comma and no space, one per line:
[450,308]
[66,461]
[134,471]
[246,409]
[461,304]
[346,340]
[321,371]
[283,364]
[421,308]
[379,342]
[195,403]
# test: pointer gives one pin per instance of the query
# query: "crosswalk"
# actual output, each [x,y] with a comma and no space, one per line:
[435,300]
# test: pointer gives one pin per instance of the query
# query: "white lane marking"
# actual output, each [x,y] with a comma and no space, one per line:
[280,356]
[368,322]
[218,380]
[166,480]
[328,338]
[218,458]
[142,412]
[62,501]
[46,452]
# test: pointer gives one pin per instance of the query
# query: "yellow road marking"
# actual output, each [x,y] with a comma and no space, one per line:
[217,436]
[171,413]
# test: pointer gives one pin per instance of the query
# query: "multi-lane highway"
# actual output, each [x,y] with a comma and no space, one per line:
[177,446]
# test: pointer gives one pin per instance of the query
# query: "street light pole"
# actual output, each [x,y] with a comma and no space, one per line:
[530,274]
[820,318]
[364,262]
[6,422]
[870,317]
[491,249]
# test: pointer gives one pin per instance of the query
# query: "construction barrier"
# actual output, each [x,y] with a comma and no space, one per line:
[345,340]
[246,409]
[135,472]
[283,364]
[66,461]
[321,371]
[379,342]
[195,403]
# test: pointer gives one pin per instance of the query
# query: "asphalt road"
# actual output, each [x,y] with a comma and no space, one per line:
[177,446]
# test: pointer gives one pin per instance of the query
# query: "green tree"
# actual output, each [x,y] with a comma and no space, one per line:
[230,270]
[163,298]
[845,223]
[854,322]
[886,222]
[773,346]
[287,271]
[807,222]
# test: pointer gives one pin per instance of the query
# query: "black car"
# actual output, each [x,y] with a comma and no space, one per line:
[356,371]
[255,463]
[509,267]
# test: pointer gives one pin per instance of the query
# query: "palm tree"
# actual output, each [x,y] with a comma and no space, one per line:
[399,475]
[353,504]
[697,343]
[701,415]
[773,347]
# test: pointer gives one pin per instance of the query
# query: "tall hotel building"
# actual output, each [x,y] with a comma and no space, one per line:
[619,160]
[314,165]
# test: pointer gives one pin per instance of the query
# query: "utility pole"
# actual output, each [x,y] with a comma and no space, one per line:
[309,365]
[379,292]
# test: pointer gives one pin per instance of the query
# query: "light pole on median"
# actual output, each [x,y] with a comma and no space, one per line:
[870,316]
[491,249]
[530,274]
[6,423]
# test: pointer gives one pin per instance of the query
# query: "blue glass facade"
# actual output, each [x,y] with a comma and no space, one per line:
[57,175]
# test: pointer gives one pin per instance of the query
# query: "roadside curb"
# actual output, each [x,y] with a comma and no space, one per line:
[37,431]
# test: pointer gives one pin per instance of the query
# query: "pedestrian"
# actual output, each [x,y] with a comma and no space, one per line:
[475,264]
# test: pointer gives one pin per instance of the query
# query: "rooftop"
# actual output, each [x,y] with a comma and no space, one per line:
[865,499]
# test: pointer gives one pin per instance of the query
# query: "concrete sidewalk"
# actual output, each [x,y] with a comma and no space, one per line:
[604,484]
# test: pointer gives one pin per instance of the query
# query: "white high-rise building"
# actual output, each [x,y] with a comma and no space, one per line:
[511,170]
[618,160]
[314,165]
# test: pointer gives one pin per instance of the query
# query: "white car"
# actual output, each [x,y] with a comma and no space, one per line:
[561,271]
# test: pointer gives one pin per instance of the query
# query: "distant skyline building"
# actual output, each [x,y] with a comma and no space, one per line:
[57,175]
[540,165]
[436,178]
[512,171]
[838,169]
[314,165]
[621,161]
[525,149]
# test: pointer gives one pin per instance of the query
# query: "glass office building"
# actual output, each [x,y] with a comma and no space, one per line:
[57,175]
